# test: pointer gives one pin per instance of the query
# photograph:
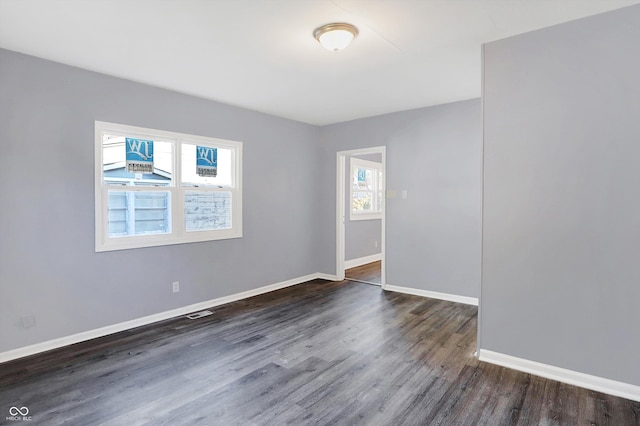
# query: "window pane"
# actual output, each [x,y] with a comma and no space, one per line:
[114,168]
[366,189]
[207,210]
[364,179]
[138,213]
[362,201]
[190,177]
[117,213]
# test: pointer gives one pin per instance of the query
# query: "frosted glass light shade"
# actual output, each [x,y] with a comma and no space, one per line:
[335,37]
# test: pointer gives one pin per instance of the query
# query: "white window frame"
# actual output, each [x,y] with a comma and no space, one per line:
[356,163]
[178,233]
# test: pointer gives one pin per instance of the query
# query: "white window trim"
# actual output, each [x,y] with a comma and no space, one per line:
[355,163]
[177,234]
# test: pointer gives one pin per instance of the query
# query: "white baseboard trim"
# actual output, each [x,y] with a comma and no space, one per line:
[599,384]
[348,264]
[433,294]
[115,328]
[327,277]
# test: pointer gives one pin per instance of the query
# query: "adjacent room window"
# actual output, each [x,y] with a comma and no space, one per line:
[366,190]
[157,188]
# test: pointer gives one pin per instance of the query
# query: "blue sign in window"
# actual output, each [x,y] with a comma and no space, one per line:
[206,161]
[139,155]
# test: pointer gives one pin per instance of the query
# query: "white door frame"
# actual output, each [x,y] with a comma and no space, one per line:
[341,208]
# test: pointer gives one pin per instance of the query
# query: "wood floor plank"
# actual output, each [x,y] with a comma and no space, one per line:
[368,273]
[321,353]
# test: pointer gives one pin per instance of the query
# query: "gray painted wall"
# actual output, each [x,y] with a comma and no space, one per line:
[360,236]
[48,267]
[434,236]
[561,200]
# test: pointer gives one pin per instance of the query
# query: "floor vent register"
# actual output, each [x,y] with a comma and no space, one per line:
[200,314]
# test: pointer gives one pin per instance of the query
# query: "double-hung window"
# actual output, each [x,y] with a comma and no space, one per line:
[155,188]
[366,190]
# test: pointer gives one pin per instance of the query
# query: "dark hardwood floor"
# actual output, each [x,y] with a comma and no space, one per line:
[318,353]
[369,273]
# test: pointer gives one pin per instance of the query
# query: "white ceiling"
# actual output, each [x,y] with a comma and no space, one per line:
[261,55]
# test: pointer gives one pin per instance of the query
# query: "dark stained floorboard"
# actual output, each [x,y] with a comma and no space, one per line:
[318,353]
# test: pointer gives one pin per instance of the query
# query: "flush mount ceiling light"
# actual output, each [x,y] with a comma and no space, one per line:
[335,36]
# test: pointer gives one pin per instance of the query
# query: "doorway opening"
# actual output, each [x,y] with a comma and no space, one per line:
[369,273]
[360,204]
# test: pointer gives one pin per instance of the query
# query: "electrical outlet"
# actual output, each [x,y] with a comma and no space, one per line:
[176,286]
[375,244]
